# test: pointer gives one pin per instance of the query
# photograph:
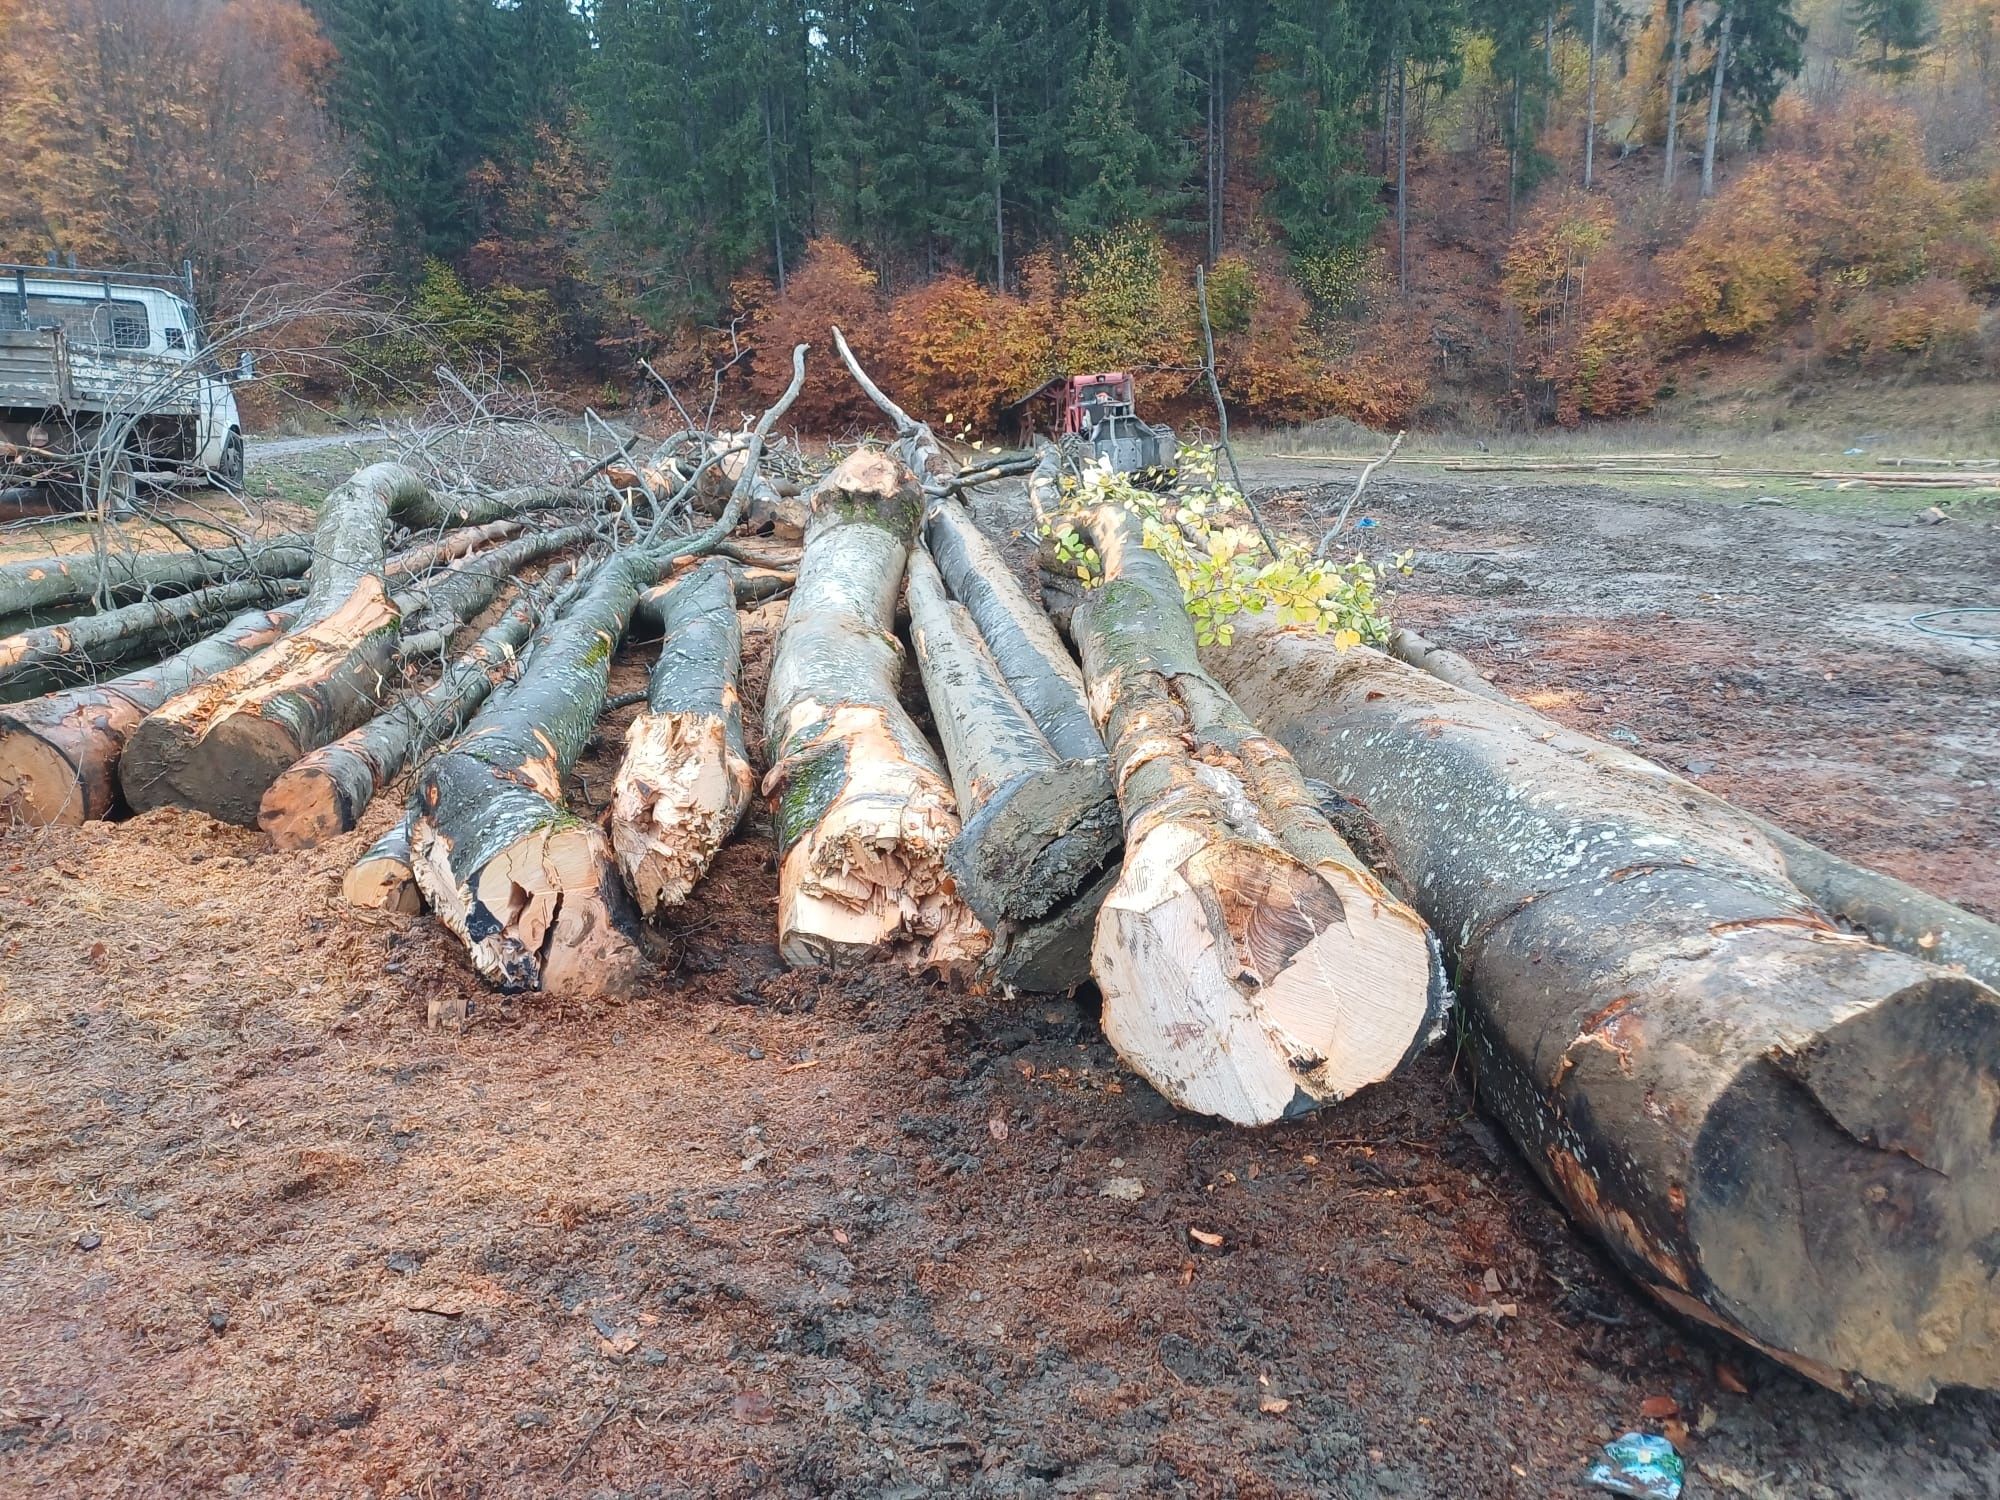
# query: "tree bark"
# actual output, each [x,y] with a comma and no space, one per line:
[685,780]
[119,631]
[1716,81]
[72,578]
[1778,1128]
[219,746]
[864,813]
[325,792]
[381,880]
[1251,966]
[1590,106]
[1038,667]
[530,889]
[1678,13]
[1038,830]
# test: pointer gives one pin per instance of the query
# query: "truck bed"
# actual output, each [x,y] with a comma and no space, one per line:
[40,370]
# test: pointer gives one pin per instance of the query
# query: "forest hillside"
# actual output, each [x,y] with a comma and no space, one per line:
[1407,211]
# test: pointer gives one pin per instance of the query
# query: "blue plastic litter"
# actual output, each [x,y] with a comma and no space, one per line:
[1642,1464]
[1365,521]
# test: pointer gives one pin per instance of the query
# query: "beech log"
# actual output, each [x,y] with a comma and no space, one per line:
[1893,913]
[381,880]
[1038,830]
[326,792]
[59,753]
[72,577]
[685,781]
[864,813]
[1252,967]
[90,638]
[1781,1129]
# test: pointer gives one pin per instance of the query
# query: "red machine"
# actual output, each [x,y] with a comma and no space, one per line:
[1097,413]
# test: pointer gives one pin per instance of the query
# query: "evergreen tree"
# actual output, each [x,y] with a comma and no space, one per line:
[1318,77]
[1899,30]
[1104,145]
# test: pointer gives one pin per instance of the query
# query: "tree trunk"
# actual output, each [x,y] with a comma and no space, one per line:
[1878,906]
[1716,81]
[1778,1128]
[1038,667]
[1590,106]
[1402,175]
[1251,966]
[220,745]
[381,880]
[864,812]
[529,888]
[72,578]
[119,631]
[1679,16]
[685,780]
[326,792]
[441,605]
[1038,830]
[59,753]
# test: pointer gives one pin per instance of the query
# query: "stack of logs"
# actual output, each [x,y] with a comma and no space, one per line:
[1768,1080]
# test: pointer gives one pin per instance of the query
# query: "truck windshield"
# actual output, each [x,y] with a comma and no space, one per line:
[113,324]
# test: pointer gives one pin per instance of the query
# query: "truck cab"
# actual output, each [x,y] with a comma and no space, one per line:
[113,370]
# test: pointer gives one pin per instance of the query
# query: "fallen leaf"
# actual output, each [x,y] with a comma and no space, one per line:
[1659,1406]
[1275,1405]
[1491,1281]
[840,1236]
[1203,1237]
[621,1344]
[997,1128]
[753,1406]
[1727,1377]
[1123,1189]
[1675,1431]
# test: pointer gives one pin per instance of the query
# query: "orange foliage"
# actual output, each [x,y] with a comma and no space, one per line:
[957,353]
[831,288]
[1933,321]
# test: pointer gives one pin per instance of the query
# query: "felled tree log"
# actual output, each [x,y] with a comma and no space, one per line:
[89,637]
[1780,1129]
[219,746]
[1894,914]
[1252,967]
[326,792]
[72,578]
[381,880]
[1038,830]
[685,780]
[59,753]
[440,604]
[530,889]
[864,811]
[1032,657]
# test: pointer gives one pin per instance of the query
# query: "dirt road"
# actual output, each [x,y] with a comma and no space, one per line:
[776,1233]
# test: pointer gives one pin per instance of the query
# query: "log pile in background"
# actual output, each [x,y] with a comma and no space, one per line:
[1778,1127]
[864,812]
[1251,965]
[75,577]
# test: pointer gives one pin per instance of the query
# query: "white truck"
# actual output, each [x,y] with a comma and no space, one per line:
[108,383]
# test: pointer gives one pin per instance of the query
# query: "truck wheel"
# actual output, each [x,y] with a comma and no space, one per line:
[229,473]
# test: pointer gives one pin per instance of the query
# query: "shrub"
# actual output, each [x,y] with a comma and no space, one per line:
[1929,323]
[831,288]
[952,353]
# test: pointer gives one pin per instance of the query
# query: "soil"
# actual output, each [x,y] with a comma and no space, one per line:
[765,1232]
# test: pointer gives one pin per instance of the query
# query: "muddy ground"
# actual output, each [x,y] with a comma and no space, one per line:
[775,1233]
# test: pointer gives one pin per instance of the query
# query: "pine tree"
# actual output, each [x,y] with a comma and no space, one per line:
[1105,148]
[1318,73]
[1901,31]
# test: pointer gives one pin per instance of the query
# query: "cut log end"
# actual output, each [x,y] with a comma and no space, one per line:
[865,833]
[381,880]
[304,806]
[1252,987]
[1846,1204]
[545,913]
[1038,840]
[41,785]
[680,793]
